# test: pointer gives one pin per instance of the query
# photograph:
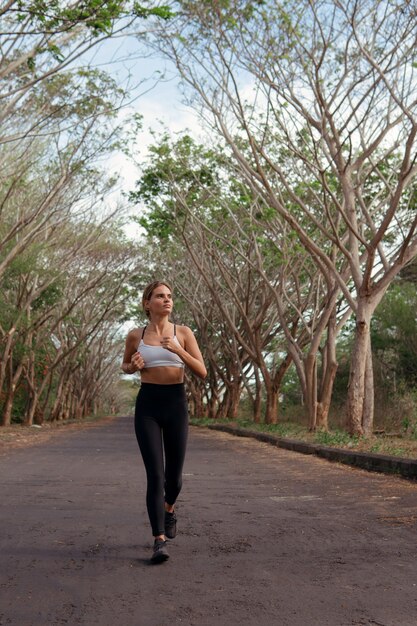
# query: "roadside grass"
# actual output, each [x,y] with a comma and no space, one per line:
[398,444]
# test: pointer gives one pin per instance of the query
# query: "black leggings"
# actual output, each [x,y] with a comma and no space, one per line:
[161,426]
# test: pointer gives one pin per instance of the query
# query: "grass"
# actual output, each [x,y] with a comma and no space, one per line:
[404,446]
[401,446]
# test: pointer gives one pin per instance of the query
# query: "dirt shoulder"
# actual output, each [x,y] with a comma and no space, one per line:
[19,436]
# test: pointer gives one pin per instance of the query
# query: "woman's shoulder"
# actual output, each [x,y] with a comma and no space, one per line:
[135,334]
[184,331]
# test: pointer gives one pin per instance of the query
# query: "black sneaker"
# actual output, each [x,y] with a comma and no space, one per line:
[160,552]
[170,525]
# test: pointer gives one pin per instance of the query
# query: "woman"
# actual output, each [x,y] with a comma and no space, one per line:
[160,351]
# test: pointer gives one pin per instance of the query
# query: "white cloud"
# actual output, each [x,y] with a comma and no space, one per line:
[154,89]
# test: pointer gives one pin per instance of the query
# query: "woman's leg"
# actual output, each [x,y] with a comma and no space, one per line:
[175,433]
[149,437]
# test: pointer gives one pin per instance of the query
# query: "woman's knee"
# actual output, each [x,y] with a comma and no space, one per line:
[173,487]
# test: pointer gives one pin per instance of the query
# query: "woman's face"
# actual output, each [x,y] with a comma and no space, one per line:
[160,301]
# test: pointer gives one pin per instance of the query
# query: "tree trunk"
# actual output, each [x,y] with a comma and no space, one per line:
[272,389]
[271,408]
[199,407]
[212,395]
[368,403]
[56,409]
[6,356]
[271,396]
[14,379]
[257,403]
[310,365]
[212,407]
[48,385]
[234,404]
[196,401]
[31,380]
[31,412]
[329,369]
[7,409]
[323,405]
[231,399]
[360,370]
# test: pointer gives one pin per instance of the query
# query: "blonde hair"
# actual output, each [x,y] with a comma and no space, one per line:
[148,291]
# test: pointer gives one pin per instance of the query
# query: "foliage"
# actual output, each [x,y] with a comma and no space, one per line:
[394,336]
[65,264]
[98,16]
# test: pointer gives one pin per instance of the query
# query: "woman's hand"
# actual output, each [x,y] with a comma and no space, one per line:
[190,354]
[137,362]
[169,344]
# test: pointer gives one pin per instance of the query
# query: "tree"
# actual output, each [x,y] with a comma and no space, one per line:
[70,297]
[335,84]
[42,40]
[57,258]
[242,250]
[261,283]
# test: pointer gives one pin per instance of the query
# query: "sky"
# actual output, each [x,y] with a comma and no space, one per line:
[158,100]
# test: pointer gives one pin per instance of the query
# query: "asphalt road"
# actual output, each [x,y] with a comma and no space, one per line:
[266,536]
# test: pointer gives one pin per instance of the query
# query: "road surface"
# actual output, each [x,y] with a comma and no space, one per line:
[266,537]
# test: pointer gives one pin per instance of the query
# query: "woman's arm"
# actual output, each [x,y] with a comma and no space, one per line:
[131,358]
[190,353]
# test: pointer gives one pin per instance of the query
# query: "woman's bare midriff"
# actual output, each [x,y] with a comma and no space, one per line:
[162,375]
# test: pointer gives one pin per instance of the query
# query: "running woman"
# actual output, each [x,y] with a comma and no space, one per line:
[160,351]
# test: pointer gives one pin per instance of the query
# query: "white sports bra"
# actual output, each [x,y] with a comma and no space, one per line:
[156,356]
